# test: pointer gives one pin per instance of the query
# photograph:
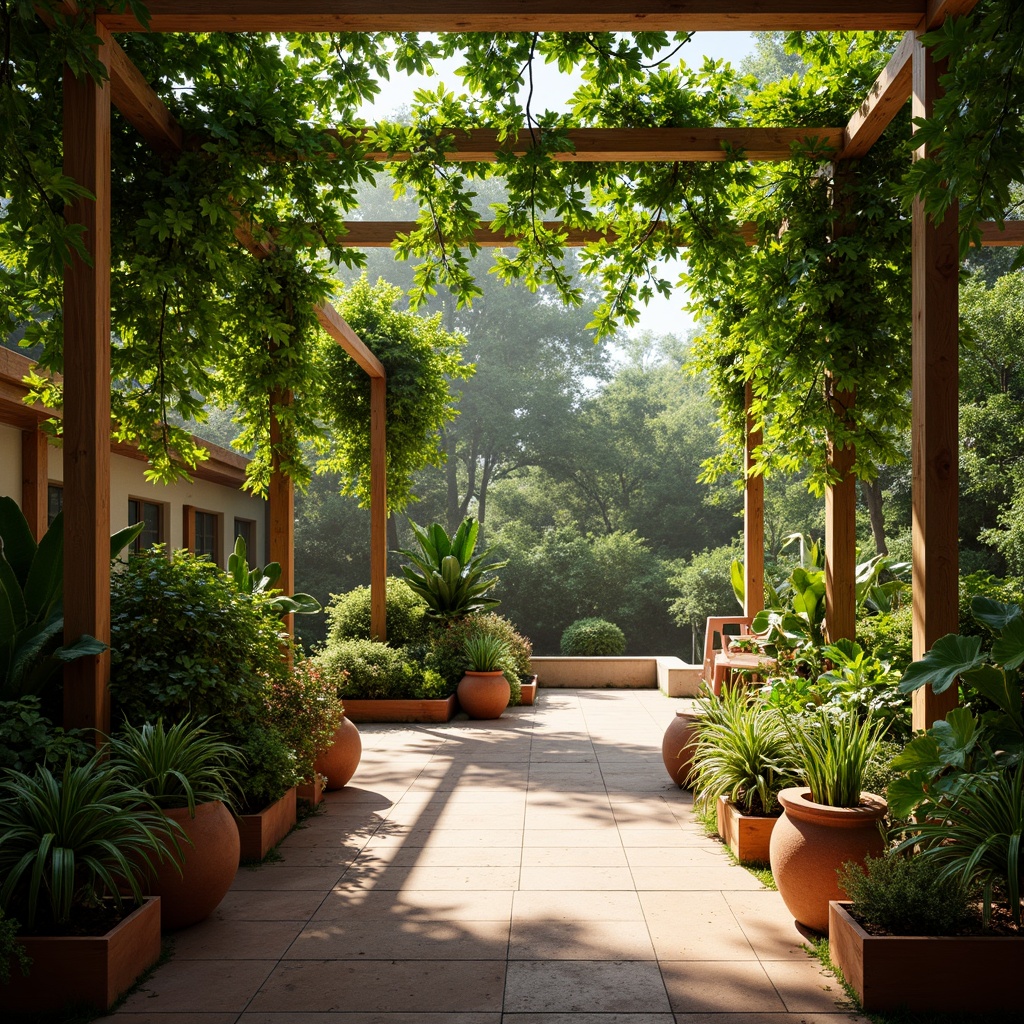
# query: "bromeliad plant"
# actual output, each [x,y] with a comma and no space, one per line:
[447,574]
[486,653]
[261,582]
[71,842]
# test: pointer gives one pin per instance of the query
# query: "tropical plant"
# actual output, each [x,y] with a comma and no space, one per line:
[485,653]
[181,766]
[31,603]
[28,738]
[12,952]
[69,842]
[446,573]
[743,752]
[261,581]
[447,656]
[348,614]
[832,749]
[904,894]
[593,637]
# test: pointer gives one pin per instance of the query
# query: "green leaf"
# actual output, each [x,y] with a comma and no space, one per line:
[44,585]
[120,540]
[920,754]
[903,796]
[998,687]
[738,580]
[956,736]
[952,656]
[993,613]
[83,647]
[16,540]
[1008,648]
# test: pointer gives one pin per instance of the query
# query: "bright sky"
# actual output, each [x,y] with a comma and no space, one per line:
[662,316]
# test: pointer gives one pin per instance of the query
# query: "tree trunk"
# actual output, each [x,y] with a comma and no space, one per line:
[871,491]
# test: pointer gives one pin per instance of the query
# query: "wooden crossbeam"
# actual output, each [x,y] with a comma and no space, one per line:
[522,15]
[615,145]
[336,326]
[889,93]
[939,10]
[1011,233]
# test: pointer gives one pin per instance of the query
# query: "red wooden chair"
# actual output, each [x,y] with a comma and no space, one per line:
[721,665]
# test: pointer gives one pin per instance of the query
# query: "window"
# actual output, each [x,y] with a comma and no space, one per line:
[206,535]
[150,513]
[54,501]
[246,529]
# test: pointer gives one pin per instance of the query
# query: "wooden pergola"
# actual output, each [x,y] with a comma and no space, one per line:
[912,72]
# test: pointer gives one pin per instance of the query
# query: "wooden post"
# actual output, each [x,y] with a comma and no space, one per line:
[87,398]
[841,537]
[378,508]
[753,520]
[934,432]
[281,499]
[34,480]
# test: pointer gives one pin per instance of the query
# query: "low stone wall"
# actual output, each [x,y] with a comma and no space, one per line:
[674,677]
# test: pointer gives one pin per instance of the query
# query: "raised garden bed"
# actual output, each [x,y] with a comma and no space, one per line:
[529,689]
[401,710]
[747,835]
[260,833]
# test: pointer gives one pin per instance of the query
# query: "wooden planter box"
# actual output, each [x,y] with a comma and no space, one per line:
[746,835]
[926,973]
[92,969]
[260,833]
[529,691]
[400,710]
[311,792]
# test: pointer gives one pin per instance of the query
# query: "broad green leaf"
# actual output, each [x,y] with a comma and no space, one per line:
[122,538]
[992,613]
[920,754]
[1000,688]
[1008,648]
[903,796]
[11,599]
[956,737]
[46,574]
[951,656]
[84,646]
[16,540]
[739,583]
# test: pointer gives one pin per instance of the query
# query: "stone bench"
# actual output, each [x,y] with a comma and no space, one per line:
[673,676]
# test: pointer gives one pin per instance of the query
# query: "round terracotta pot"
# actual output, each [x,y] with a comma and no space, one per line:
[340,760]
[811,841]
[208,866]
[679,744]
[484,694]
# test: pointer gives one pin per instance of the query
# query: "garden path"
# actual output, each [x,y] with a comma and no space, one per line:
[540,869]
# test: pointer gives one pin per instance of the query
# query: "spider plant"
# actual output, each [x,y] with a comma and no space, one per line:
[181,766]
[68,842]
[486,653]
[832,749]
[742,752]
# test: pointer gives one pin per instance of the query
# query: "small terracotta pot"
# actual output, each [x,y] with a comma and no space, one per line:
[208,866]
[484,694]
[340,760]
[679,744]
[811,841]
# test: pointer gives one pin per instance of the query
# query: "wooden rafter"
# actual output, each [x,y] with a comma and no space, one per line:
[939,10]
[521,15]
[1011,233]
[889,93]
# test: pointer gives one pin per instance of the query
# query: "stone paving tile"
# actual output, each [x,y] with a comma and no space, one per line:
[575,940]
[567,986]
[576,878]
[576,906]
[588,1018]
[215,939]
[369,1017]
[407,986]
[168,1018]
[418,878]
[694,926]
[713,986]
[200,986]
[803,986]
[433,905]
[280,876]
[768,925]
[570,856]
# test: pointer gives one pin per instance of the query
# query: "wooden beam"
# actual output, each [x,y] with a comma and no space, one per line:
[641,145]
[939,10]
[890,91]
[35,454]
[753,519]
[334,324]
[1010,233]
[934,429]
[281,501]
[521,15]
[378,508]
[380,234]
[188,528]
[87,398]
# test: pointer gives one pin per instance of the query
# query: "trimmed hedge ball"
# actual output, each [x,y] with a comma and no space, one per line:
[593,638]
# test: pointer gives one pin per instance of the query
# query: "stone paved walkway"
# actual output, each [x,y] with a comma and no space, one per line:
[541,869]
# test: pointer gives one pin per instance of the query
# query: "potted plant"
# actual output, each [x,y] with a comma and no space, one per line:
[74,852]
[830,820]
[743,759]
[189,774]
[484,691]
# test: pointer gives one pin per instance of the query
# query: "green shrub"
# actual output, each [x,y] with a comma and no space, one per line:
[593,638]
[12,952]
[28,737]
[906,895]
[348,615]
[448,649]
[185,642]
[889,637]
[370,670]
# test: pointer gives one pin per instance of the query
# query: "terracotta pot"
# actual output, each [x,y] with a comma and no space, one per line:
[811,841]
[208,866]
[679,744]
[340,760]
[484,694]
[93,969]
